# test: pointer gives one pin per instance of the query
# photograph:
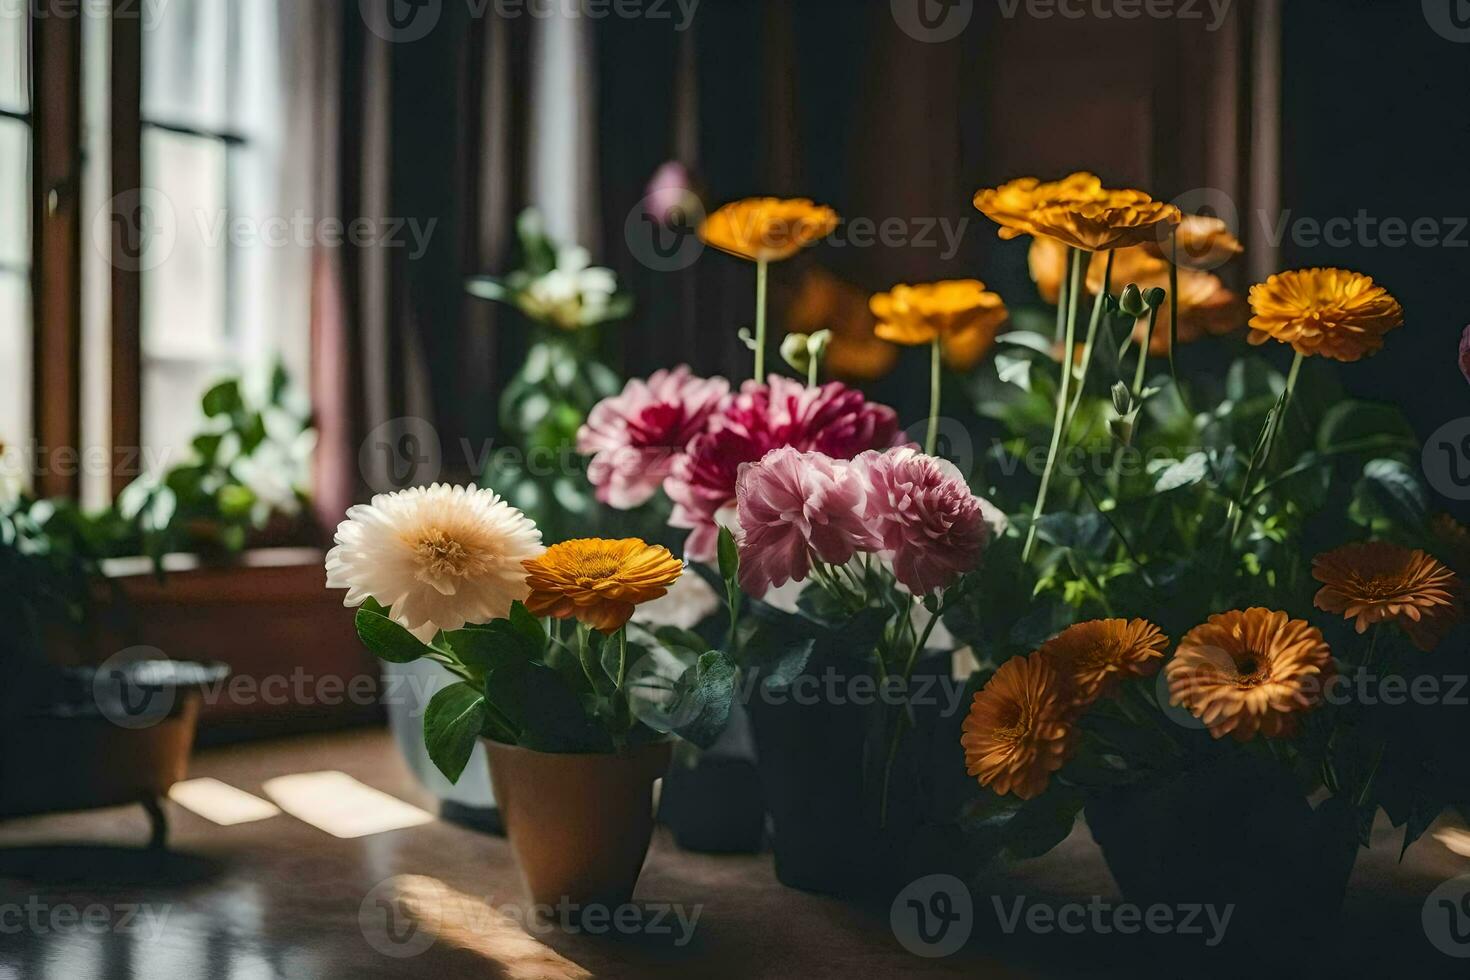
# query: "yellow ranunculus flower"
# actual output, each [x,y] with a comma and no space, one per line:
[943,311]
[767,229]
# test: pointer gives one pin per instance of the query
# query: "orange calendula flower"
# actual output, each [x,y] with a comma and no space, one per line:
[599,581]
[1203,242]
[1098,655]
[933,311]
[825,302]
[1250,671]
[1120,220]
[768,229]
[1012,204]
[1377,581]
[1019,730]
[1339,314]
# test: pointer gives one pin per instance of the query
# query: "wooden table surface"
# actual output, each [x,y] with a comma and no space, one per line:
[280,899]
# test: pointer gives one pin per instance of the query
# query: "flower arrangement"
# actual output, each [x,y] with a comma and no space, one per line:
[1161,577]
[1185,588]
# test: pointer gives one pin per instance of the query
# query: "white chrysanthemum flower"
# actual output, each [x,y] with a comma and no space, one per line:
[438,557]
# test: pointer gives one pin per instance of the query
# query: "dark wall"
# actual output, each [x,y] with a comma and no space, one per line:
[1376,112]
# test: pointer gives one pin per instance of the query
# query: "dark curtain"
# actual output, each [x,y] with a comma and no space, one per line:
[822,98]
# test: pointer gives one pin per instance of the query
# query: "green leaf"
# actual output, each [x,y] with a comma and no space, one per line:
[452,723]
[1391,490]
[488,287]
[1349,423]
[529,627]
[1044,822]
[1184,473]
[386,639]
[484,648]
[729,556]
[703,695]
[223,399]
[548,713]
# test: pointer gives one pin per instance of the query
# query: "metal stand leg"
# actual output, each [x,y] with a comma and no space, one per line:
[158,820]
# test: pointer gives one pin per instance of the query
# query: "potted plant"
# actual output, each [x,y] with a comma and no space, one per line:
[85,736]
[94,718]
[1170,653]
[537,641]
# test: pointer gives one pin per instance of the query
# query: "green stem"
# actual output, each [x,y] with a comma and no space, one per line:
[931,438]
[1280,420]
[812,371]
[1069,341]
[1174,319]
[1097,307]
[1142,368]
[762,268]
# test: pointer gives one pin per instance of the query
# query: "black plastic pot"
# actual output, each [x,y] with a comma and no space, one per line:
[821,762]
[1241,834]
[80,738]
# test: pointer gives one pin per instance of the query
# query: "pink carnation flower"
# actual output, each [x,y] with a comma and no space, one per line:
[932,527]
[792,505]
[634,437]
[833,420]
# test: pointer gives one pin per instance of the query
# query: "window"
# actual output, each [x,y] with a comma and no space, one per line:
[15,243]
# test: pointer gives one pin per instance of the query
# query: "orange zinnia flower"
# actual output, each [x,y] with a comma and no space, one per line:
[1121,219]
[1203,243]
[767,229]
[1249,671]
[1098,655]
[1019,730]
[1374,581]
[599,581]
[825,302]
[944,311]
[1339,314]
[1011,205]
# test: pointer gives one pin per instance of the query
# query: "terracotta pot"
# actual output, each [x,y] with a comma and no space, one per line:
[579,824]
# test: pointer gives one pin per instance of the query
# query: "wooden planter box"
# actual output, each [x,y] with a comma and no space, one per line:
[295,660]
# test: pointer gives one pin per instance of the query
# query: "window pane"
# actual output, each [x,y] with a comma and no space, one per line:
[15,203]
[187,53]
[184,281]
[15,375]
[14,79]
[171,414]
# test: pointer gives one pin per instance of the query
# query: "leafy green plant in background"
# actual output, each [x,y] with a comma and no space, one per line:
[248,466]
[247,469]
[565,302]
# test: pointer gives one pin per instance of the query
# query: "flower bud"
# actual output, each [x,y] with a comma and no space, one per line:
[1121,400]
[796,352]
[1155,297]
[1131,302]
